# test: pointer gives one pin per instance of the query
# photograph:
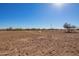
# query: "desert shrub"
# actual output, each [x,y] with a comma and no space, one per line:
[19,29]
[78,29]
[8,29]
[16,29]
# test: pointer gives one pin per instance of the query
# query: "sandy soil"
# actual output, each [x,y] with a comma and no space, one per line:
[39,43]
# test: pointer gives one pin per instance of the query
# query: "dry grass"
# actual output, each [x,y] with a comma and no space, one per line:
[35,43]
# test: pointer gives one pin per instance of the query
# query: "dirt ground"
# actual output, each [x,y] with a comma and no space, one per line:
[39,43]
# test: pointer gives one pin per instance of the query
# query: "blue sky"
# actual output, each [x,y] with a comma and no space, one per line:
[34,15]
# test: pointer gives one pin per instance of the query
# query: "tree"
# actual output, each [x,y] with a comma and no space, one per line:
[73,26]
[69,28]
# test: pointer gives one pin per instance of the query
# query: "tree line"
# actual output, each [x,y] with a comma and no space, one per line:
[68,28]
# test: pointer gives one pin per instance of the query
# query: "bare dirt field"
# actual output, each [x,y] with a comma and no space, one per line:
[36,43]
